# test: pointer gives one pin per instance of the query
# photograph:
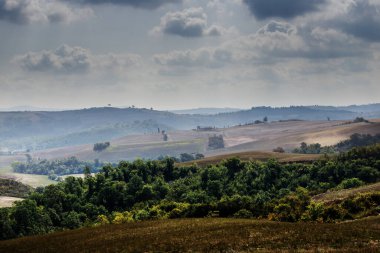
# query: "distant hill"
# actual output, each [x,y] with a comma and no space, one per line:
[41,129]
[206,111]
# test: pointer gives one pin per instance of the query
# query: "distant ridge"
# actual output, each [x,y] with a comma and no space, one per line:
[206,111]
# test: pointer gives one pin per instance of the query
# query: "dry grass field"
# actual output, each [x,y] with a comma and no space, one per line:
[208,235]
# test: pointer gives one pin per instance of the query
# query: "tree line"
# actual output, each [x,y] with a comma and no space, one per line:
[56,168]
[355,140]
[143,190]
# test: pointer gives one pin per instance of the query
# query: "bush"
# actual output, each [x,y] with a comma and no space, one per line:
[216,142]
[313,212]
[71,220]
[350,183]
[279,150]
[99,147]
[243,213]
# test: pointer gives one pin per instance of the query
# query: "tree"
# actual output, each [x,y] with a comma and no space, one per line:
[71,220]
[6,229]
[99,147]
[199,156]
[30,219]
[216,142]
[279,150]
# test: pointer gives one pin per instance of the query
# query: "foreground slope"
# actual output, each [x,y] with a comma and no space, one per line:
[208,235]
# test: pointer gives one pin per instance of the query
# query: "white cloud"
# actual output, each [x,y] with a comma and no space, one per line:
[41,11]
[191,22]
[74,60]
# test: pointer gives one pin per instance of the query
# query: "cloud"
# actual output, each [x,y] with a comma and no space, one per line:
[143,4]
[206,57]
[190,22]
[287,9]
[362,20]
[40,11]
[273,43]
[74,60]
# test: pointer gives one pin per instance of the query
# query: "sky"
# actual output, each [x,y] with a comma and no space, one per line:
[176,54]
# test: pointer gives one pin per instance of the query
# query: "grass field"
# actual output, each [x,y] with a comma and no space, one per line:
[6,201]
[334,196]
[28,179]
[209,235]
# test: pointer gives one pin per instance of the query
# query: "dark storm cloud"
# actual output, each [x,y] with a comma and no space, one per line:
[286,9]
[12,13]
[362,21]
[144,4]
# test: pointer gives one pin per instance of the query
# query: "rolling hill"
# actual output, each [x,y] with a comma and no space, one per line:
[38,130]
[261,137]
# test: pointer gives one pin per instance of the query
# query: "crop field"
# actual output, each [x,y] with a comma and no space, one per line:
[208,235]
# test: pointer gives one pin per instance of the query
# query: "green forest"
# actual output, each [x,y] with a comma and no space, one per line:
[145,190]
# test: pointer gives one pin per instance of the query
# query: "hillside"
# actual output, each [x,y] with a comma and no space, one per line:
[12,188]
[339,195]
[254,155]
[260,137]
[208,235]
[41,130]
